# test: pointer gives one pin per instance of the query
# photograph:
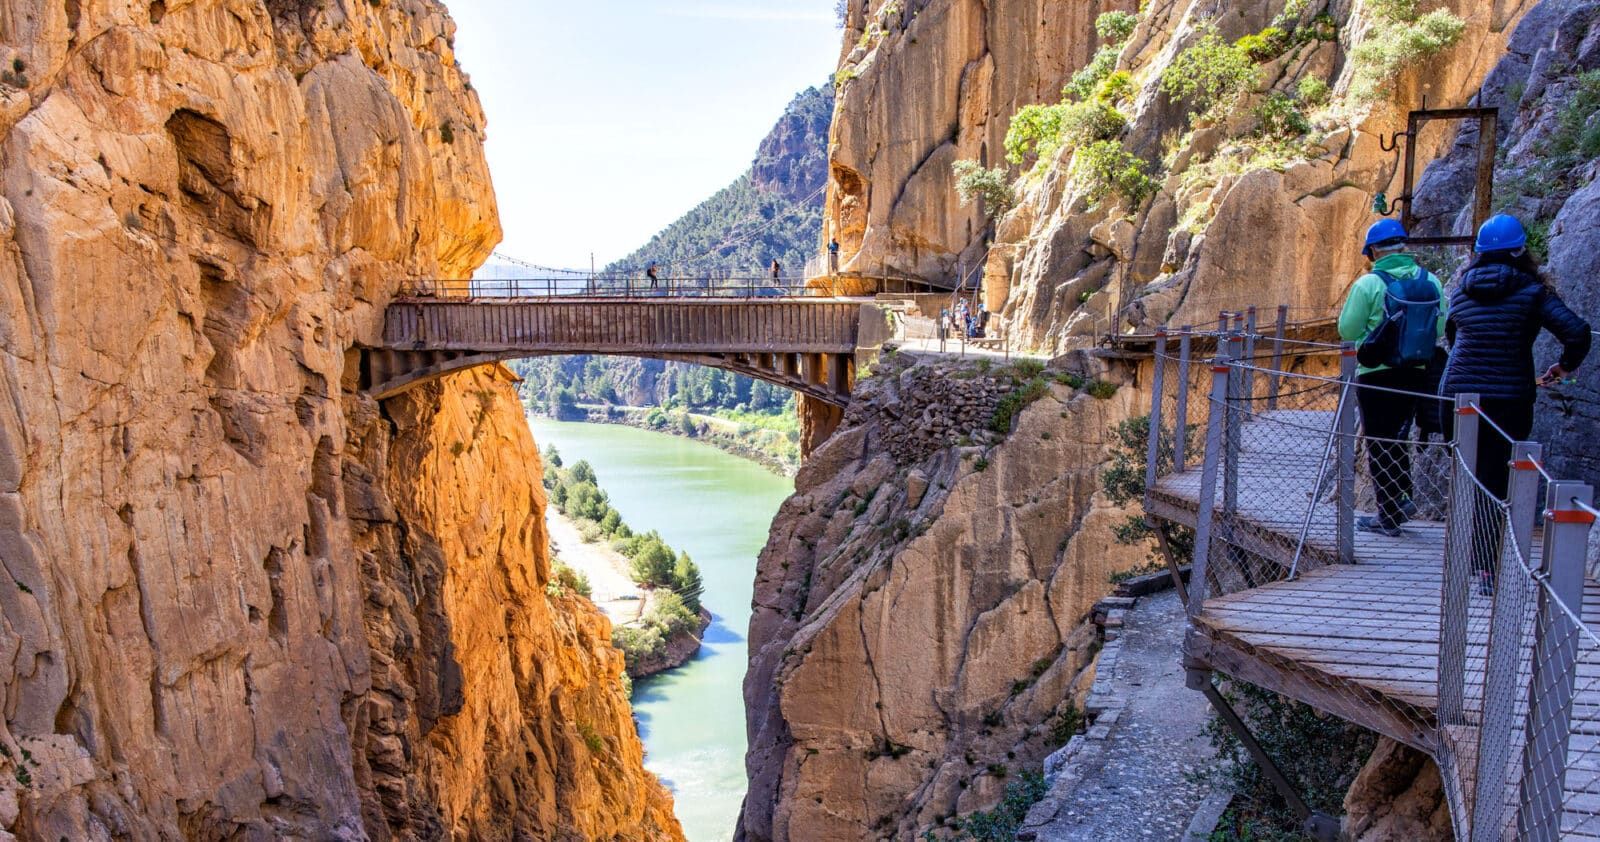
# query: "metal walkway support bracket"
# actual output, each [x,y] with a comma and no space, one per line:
[1318,826]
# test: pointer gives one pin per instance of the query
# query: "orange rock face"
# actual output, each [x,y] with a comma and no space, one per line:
[236,599]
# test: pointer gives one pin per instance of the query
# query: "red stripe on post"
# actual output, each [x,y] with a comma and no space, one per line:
[1569,516]
[1525,465]
[1219,369]
[1467,410]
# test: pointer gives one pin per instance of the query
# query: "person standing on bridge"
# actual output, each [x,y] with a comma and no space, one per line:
[833,255]
[777,272]
[1395,314]
[944,327]
[1496,313]
[651,274]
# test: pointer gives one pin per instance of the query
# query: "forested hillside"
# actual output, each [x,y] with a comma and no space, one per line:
[772,211]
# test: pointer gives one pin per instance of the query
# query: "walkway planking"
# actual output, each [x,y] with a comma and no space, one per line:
[1361,641]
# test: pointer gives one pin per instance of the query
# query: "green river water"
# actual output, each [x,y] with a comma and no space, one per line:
[717,508]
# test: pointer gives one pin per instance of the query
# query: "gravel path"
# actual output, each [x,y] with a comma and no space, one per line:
[613,591]
[1132,784]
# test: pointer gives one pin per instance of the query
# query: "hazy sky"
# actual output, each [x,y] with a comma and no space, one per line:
[610,118]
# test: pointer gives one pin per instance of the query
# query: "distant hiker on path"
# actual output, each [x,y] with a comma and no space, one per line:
[1496,313]
[777,271]
[1395,313]
[651,274]
[944,327]
[833,256]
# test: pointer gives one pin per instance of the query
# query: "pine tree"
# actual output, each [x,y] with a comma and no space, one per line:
[686,582]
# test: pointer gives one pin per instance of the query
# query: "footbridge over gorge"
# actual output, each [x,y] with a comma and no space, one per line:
[789,336]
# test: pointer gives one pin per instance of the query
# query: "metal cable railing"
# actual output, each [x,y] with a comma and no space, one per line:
[1498,676]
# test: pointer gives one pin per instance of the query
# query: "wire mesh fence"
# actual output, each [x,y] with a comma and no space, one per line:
[1384,548]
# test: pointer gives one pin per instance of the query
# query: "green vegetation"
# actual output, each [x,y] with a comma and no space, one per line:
[564,579]
[1212,73]
[1001,823]
[1319,754]
[1279,116]
[1576,138]
[1105,169]
[674,579]
[1401,36]
[991,186]
[1116,27]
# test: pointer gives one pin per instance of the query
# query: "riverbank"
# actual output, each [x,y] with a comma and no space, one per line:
[718,507]
[745,441]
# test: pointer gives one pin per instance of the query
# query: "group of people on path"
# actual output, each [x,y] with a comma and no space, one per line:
[1397,312]
[964,317]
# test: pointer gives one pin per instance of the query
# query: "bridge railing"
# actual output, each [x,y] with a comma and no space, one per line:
[753,287]
[1504,676]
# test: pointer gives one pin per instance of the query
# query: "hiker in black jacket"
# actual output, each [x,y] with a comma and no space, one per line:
[1496,313]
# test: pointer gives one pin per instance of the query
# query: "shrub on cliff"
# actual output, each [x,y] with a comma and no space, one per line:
[1401,36]
[669,613]
[992,187]
[1212,73]
[1106,169]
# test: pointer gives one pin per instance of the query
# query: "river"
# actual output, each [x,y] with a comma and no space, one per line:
[717,508]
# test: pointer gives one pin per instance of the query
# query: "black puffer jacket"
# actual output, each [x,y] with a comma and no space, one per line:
[1495,316]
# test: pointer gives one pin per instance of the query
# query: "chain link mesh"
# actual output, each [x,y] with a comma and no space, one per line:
[1440,624]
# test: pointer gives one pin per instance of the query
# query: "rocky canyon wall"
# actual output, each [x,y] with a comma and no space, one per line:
[1231,217]
[919,607]
[237,599]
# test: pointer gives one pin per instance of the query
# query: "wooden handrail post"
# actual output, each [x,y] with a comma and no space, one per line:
[1180,411]
[1456,587]
[1220,370]
[1505,644]
[1555,663]
[1345,484]
[1153,445]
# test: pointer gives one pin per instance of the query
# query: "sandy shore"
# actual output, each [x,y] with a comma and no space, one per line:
[613,591]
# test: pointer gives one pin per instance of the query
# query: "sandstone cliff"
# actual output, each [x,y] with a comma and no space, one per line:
[239,600]
[929,83]
[919,606]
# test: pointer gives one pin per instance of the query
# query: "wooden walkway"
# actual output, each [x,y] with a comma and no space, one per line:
[1360,641]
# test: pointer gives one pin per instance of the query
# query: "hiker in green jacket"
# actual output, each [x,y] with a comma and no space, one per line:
[1396,314]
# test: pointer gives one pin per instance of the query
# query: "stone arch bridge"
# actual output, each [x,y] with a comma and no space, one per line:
[806,343]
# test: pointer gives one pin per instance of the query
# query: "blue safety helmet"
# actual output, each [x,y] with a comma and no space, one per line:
[1501,233]
[1384,232]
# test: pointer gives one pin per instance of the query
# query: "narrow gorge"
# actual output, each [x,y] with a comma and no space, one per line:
[246,598]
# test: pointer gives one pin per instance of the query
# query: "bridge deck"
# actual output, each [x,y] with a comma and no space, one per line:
[1360,641]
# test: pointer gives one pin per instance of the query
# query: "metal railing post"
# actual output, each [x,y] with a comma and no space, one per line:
[1235,421]
[1276,376]
[1153,447]
[1222,327]
[1345,479]
[1208,484]
[1247,377]
[1456,588]
[1555,663]
[1505,648]
[1180,411]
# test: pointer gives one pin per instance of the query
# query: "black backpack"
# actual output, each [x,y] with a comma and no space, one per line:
[1410,328]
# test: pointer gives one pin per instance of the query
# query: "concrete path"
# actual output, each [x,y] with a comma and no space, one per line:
[1130,777]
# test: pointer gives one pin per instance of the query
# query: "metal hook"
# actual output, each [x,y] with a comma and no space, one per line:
[1393,143]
